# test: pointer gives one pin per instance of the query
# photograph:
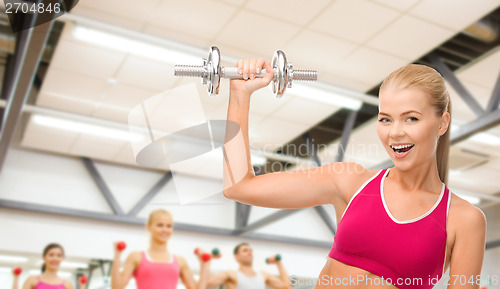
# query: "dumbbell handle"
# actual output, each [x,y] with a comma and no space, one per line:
[232,72]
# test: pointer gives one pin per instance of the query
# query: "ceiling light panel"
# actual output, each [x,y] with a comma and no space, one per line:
[409,37]
[354,20]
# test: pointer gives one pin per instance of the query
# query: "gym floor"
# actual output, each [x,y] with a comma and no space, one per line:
[70,138]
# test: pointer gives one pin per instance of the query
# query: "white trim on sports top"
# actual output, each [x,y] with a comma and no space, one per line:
[412,220]
[358,191]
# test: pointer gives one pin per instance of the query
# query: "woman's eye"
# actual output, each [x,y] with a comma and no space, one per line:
[412,119]
[384,120]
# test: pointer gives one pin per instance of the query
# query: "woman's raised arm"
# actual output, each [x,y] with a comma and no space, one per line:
[291,189]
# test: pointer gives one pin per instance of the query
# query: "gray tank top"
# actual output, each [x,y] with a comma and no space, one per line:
[250,282]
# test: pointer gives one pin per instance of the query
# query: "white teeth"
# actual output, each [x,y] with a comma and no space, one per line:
[401,146]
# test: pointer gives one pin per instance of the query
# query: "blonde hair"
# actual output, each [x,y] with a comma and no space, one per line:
[431,82]
[156,212]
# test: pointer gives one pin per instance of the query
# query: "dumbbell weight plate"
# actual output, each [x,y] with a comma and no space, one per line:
[214,71]
[279,65]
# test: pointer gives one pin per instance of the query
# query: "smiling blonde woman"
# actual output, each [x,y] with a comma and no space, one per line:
[397,228]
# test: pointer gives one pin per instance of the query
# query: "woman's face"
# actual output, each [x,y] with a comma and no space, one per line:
[409,126]
[53,259]
[161,227]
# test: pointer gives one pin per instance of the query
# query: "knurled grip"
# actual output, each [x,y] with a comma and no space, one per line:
[190,70]
[305,75]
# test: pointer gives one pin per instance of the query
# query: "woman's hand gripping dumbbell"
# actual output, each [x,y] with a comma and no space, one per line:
[205,257]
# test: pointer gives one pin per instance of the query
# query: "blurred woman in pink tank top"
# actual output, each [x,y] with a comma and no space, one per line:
[53,255]
[157,268]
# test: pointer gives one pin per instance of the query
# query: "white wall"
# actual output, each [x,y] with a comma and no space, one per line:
[30,232]
[39,178]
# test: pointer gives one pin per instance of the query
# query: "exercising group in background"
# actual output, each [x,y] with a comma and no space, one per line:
[158,268]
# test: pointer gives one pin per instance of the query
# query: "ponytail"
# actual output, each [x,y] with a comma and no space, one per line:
[443,152]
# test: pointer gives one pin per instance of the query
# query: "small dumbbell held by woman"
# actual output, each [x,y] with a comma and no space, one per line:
[205,257]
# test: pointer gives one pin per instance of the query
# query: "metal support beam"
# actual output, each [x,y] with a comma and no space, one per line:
[346,133]
[326,219]
[150,194]
[492,244]
[485,122]
[89,277]
[101,267]
[124,219]
[242,215]
[494,102]
[26,59]
[278,215]
[313,154]
[101,184]
[106,274]
[456,84]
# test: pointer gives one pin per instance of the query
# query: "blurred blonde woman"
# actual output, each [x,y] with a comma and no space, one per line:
[157,267]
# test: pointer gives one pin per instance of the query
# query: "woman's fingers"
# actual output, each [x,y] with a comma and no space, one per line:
[249,68]
[269,72]
[246,68]
[260,64]
[252,68]
[240,66]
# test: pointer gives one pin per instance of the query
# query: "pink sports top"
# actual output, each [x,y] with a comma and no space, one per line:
[408,254]
[43,285]
[154,275]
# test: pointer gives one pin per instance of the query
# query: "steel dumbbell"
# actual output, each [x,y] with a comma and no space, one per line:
[211,72]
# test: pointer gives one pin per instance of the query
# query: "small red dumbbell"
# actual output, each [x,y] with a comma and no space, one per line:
[205,257]
[215,252]
[121,246]
[17,271]
[83,279]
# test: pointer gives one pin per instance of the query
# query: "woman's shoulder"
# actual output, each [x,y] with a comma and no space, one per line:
[347,171]
[136,253]
[135,256]
[32,280]
[464,215]
[181,261]
[67,284]
[349,176]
